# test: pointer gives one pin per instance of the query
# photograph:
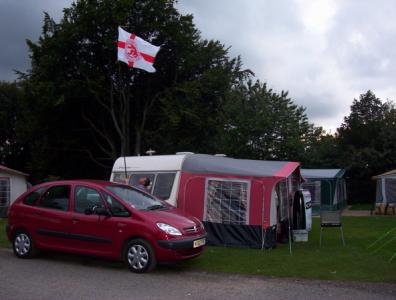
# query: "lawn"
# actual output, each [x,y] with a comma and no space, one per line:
[356,261]
[3,238]
[362,206]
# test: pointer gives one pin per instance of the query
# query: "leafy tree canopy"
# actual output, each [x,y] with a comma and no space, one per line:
[263,124]
[11,150]
[366,142]
[361,137]
[88,106]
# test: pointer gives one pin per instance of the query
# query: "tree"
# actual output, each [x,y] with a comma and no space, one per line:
[11,149]
[263,124]
[358,136]
[193,110]
[388,137]
[364,140]
[84,104]
[321,151]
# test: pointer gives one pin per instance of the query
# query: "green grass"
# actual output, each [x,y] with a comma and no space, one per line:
[3,237]
[356,261]
[362,206]
[331,262]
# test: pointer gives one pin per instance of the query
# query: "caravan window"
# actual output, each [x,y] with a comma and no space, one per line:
[163,185]
[134,179]
[119,177]
[227,201]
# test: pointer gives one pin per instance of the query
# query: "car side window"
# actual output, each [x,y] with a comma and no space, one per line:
[56,197]
[116,208]
[32,198]
[86,198]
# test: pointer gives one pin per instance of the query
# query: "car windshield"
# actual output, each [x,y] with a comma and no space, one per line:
[137,199]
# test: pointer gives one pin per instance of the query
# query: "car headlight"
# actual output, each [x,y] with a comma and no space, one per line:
[169,229]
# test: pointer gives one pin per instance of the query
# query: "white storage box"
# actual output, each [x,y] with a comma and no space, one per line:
[300,235]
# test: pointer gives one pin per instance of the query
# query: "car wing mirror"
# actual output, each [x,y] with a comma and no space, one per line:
[101,211]
[88,211]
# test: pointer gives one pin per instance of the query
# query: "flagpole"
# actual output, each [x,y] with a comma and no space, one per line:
[137,53]
[123,148]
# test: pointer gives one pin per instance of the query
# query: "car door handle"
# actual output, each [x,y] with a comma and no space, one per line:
[75,221]
[37,214]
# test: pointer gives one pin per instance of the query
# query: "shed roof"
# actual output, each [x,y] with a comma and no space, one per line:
[9,170]
[391,173]
[322,173]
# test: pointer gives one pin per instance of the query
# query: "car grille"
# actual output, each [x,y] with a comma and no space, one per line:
[192,229]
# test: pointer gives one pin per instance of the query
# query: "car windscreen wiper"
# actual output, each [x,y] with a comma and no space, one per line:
[156,206]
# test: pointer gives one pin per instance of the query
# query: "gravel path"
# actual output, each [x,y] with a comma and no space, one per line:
[60,276]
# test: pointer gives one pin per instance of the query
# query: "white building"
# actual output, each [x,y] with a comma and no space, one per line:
[13,183]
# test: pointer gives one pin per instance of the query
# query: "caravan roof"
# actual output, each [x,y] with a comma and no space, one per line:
[210,164]
[149,163]
[204,163]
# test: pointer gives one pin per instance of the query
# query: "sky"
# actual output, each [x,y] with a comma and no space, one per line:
[325,53]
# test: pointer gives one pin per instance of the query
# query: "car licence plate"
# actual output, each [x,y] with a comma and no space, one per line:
[199,243]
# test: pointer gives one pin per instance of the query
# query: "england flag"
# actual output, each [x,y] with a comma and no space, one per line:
[136,52]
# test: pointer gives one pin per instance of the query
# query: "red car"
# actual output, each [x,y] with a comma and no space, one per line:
[105,219]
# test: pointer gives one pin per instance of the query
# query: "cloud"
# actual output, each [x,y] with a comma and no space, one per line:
[21,20]
[324,52]
[317,16]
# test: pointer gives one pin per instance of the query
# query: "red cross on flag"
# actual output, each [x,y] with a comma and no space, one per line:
[136,52]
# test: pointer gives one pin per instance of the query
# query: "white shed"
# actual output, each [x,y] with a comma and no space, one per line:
[386,188]
[13,183]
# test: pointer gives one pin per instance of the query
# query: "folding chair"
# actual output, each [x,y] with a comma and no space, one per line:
[331,219]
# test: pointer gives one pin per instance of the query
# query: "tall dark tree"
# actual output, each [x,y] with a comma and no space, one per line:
[193,110]
[388,137]
[363,139]
[263,124]
[359,135]
[321,151]
[84,105]
[11,149]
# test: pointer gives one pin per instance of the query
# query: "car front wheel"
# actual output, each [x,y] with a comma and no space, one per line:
[139,256]
[22,245]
